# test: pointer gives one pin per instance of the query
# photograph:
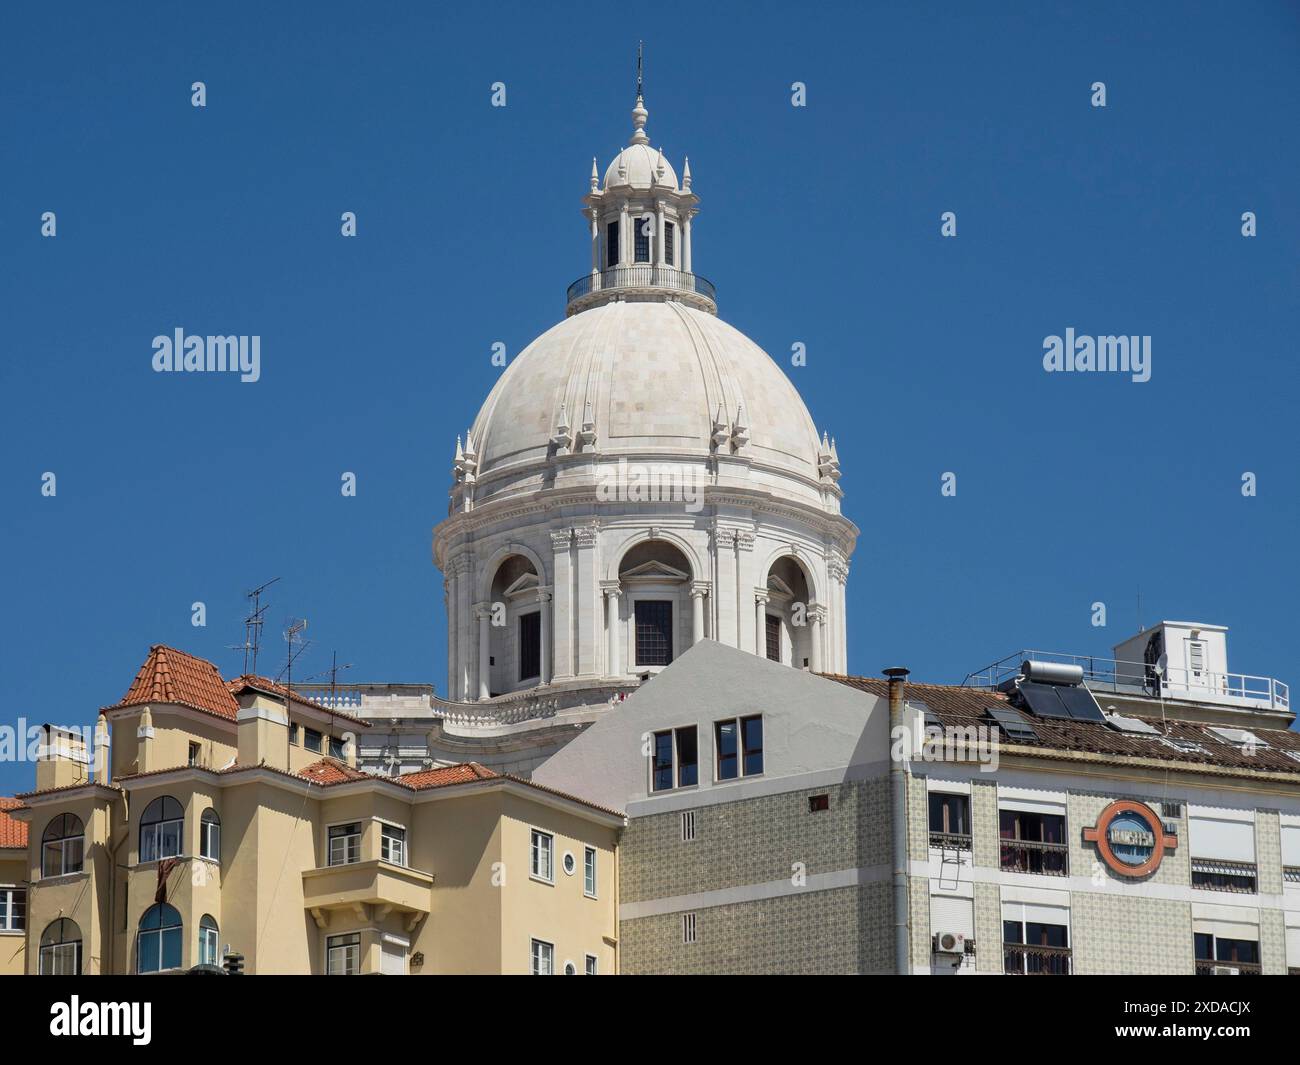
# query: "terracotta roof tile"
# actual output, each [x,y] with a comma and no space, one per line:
[12,833]
[440,778]
[265,684]
[332,771]
[172,676]
[961,706]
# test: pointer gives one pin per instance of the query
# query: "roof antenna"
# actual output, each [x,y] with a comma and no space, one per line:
[253,626]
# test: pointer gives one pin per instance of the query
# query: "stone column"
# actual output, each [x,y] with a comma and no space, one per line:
[587,606]
[659,235]
[760,624]
[815,631]
[595,242]
[463,567]
[726,589]
[562,592]
[613,629]
[624,251]
[449,608]
[544,612]
[484,613]
[697,613]
[686,242]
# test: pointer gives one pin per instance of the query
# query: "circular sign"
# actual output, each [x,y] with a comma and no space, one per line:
[1130,838]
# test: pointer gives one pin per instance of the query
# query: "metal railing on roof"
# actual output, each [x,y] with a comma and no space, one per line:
[641,276]
[1141,678]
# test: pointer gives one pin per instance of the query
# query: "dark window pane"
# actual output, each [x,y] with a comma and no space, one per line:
[311,739]
[663,764]
[728,765]
[670,234]
[1204,946]
[641,227]
[530,646]
[611,244]
[752,735]
[687,757]
[654,632]
[1012,932]
[773,638]
[1246,950]
[1045,935]
[336,747]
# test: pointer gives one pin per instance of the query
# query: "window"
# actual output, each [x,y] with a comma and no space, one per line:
[739,744]
[818,803]
[543,958]
[158,943]
[675,759]
[570,969]
[392,955]
[1035,949]
[950,821]
[160,829]
[670,244]
[311,739]
[293,733]
[61,949]
[654,632]
[1222,853]
[343,955]
[593,965]
[1210,875]
[345,844]
[392,844]
[543,848]
[210,835]
[589,872]
[611,244]
[13,909]
[62,846]
[196,754]
[642,230]
[688,928]
[773,632]
[688,826]
[1032,842]
[1217,952]
[209,951]
[530,645]
[336,747]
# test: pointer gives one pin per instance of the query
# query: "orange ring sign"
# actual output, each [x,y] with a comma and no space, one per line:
[1130,838]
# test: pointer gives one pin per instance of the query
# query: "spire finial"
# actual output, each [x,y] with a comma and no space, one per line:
[639,113]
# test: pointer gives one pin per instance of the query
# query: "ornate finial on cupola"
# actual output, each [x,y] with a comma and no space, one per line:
[458,463]
[828,463]
[659,168]
[563,436]
[686,175]
[639,113]
[467,459]
[595,177]
[740,431]
[721,430]
[470,454]
[587,435]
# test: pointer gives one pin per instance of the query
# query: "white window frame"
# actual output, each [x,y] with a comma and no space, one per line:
[329,843]
[589,882]
[400,840]
[8,893]
[212,934]
[343,947]
[210,836]
[591,965]
[541,951]
[534,852]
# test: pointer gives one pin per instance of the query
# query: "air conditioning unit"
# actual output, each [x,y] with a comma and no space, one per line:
[950,942]
[1171,828]
[1225,970]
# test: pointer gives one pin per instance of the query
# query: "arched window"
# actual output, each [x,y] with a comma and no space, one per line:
[160,829]
[61,949]
[208,935]
[210,835]
[158,945]
[62,846]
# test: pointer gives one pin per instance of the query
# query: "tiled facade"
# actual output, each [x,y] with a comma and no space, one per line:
[1268,850]
[1130,934]
[984,823]
[988,927]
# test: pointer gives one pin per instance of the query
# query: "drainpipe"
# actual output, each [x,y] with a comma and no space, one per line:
[898,826]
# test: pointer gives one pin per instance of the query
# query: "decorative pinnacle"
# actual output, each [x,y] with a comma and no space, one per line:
[639,113]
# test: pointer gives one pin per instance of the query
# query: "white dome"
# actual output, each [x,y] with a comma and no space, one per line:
[640,165]
[656,375]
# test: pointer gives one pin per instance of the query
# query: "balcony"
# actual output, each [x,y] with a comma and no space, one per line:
[1213,875]
[1021,960]
[641,281]
[391,888]
[950,841]
[1225,968]
[1029,856]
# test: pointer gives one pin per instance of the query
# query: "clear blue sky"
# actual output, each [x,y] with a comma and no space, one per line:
[818,225]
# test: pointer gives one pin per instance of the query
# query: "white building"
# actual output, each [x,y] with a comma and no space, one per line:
[641,477]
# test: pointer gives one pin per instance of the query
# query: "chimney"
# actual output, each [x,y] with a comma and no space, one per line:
[144,743]
[61,758]
[350,749]
[898,825]
[263,731]
[103,748]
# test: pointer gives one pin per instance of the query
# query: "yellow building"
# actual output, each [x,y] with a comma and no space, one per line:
[230,817]
[13,890]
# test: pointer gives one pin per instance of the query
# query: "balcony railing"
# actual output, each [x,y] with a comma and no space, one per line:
[642,276]
[1224,968]
[950,841]
[1140,678]
[1021,960]
[1029,856]
[1213,875]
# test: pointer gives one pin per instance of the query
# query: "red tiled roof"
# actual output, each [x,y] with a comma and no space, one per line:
[172,676]
[958,706]
[265,684]
[331,771]
[450,774]
[12,833]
